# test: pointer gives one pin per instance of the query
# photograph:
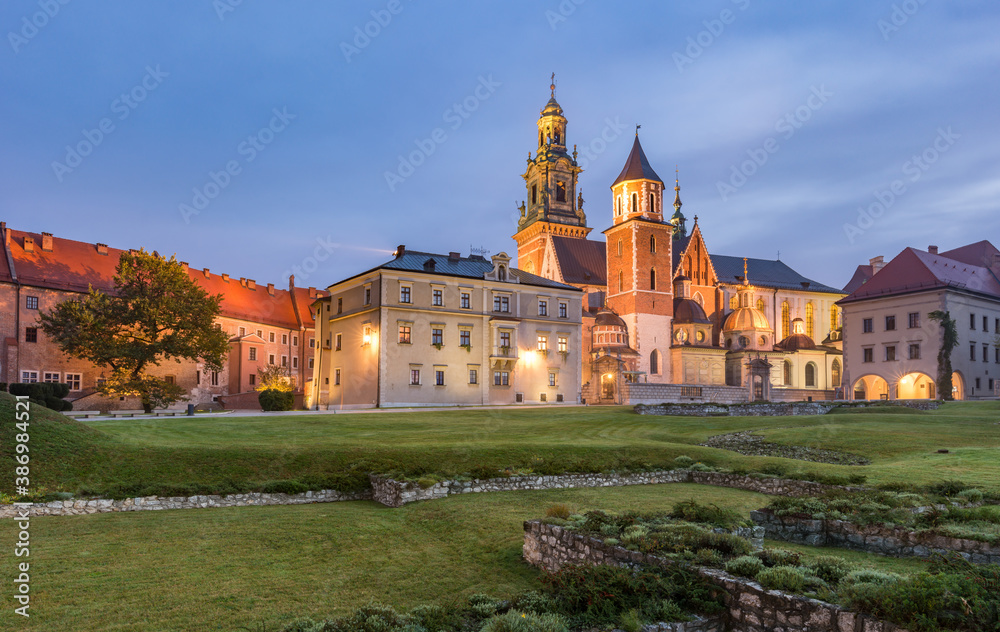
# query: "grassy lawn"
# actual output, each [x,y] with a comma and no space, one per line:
[218,569]
[201,454]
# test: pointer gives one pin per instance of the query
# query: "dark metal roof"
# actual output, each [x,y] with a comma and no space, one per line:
[765,273]
[581,261]
[637,166]
[861,276]
[688,311]
[474,267]
[679,246]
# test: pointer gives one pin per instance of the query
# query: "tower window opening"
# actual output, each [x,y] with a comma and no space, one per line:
[534,194]
[560,191]
[652,243]
[621,281]
[652,279]
[652,202]
[635,203]
[557,137]
[619,247]
[618,206]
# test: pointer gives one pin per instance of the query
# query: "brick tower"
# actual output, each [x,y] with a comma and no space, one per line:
[640,263]
[554,204]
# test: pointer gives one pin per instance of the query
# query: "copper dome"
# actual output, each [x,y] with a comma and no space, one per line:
[687,311]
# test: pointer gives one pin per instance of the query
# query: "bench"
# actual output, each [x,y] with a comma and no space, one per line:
[126,413]
[170,412]
[82,413]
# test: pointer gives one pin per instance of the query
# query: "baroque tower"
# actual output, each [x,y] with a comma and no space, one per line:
[640,263]
[555,203]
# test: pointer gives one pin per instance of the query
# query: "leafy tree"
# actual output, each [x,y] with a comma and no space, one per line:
[273,378]
[948,342]
[156,313]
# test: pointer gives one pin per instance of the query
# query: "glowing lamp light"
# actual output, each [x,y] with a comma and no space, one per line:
[367,338]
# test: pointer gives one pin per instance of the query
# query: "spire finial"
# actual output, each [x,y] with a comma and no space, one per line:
[746,280]
[552,86]
[637,127]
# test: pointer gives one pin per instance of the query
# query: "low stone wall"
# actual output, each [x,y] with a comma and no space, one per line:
[750,607]
[157,503]
[882,540]
[393,493]
[769,409]
[640,393]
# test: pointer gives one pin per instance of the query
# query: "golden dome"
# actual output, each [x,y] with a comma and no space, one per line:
[745,319]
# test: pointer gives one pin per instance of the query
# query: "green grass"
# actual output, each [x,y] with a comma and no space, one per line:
[202,454]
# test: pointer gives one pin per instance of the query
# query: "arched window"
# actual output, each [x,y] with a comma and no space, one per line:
[618,205]
[835,374]
[652,278]
[635,203]
[652,243]
[760,304]
[734,301]
[621,281]
[619,247]
[654,362]
[557,137]
[834,316]
[809,319]
[787,381]
[810,374]
[786,319]
[652,202]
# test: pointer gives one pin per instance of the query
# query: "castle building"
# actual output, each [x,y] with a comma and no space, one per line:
[437,330]
[890,342]
[659,307]
[267,325]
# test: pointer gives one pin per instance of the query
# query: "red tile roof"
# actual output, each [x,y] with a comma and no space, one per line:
[861,276]
[75,266]
[581,261]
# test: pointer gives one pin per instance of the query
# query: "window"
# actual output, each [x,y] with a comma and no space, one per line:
[437,336]
[29,377]
[996,356]
[260,334]
[368,295]
[414,377]
[890,323]
[563,344]
[295,341]
[635,203]
[340,306]
[890,353]
[534,193]
[311,363]
[501,304]
[338,340]
[284,339]
[654,362]
[31,302]
[915,351]
[253,353]
[552,378]
[31,334]
[972,351]
[543,343]
[986,323]
[242,331]
[501,378]
[834,317]
[867,325]
[652,238]
[868,354]
[986,352]
[621,282]
[437,297]
[76,379]
[978,384]
[619,241]
[543,308]
[505,339]
[734,301]
[284,360]
[760,304]
[618,211]
[438,377]
[787,373]
[253,379]
[809,320]
[473,376]
[312,343]
[270,358]
[563,310]
[972,322]
[50,378]
[295,362]
[810,374]
[652,206]
[466,300]
[404,334]
[336,377]
[560,191]
[270,336]
[786,319]
[404,293]
[913,320]
[652,278]
[835,374]
[215,378]
[465,337]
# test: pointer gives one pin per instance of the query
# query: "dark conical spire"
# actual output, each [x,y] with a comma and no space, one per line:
[637,166]
[678,219]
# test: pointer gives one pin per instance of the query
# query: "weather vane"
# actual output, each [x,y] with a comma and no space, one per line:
[553,85]
[637,129]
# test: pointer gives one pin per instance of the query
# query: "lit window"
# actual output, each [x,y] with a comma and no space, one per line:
[786,319]
[543,343]
[404,334]
[809,320]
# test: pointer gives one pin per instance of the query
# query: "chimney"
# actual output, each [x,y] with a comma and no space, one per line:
[270,289]
[252,284]
[400,251]
[312,292]
[243,282]
[877,264]
[454,257]
[47,242]
[225,277]
[29,244]
[184,265]
[206,273]
[102,249]
[932,249]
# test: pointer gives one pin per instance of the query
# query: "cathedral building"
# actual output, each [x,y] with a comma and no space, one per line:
[659,308]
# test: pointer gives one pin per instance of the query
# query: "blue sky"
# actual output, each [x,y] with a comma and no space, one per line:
[783,119]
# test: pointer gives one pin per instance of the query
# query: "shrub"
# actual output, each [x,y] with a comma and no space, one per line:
[774,469]
[745,566]
[692,511]
[275,400]
[284,487]
[683,461]
[485,606]
[631,622]
[559,510]
[778,557]
[514,621]
[789,578]
[3,387]
[60,390]
[434,618]
[971,495]
[303,625]
[868,576]
[532,601]
[374,617]
[947,488]
[830,568]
